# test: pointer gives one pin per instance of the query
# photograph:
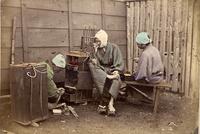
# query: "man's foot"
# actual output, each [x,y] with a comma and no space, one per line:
[101,109]
[113,76]
[111,110]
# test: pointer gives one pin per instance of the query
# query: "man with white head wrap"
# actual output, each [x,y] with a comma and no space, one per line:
[105,69]
[150,67]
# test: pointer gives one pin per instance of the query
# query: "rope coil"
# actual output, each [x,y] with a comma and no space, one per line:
[35,70]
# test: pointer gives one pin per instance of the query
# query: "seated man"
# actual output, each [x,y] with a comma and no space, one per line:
[150,67]
[55,64]
[106,66]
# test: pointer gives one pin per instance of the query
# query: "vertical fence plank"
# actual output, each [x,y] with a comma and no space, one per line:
[157,23]
[147,16]
[132,35]
[129,61]
[184,43]
[169,39]
[24,32]
[70,23]
[142,16]
[103,14]
[136,28]
[176,46]
[151,25]
[163,32]
[170,51]
[188,51]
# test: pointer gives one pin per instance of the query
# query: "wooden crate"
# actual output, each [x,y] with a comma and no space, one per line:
[29,93]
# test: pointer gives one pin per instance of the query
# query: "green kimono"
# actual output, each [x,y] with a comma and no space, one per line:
[52,88]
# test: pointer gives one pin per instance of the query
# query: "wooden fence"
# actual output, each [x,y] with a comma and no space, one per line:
[47,27]
[169,24]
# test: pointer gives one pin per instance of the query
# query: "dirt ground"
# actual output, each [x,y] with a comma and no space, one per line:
[175,115]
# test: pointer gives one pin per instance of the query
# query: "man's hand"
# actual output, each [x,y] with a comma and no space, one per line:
[95,45]
[136,59]
[114,75]
[115,72]
[94,61]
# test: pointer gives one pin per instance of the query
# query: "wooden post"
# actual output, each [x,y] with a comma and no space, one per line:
[184,43]
[156,99]
[13,41]
[137,28]
[24,32]
[157,23]
[163,32]
[194,92]
[70,24]
[129,25]
[188,51]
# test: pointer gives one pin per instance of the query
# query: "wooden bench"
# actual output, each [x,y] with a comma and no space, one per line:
[156,91]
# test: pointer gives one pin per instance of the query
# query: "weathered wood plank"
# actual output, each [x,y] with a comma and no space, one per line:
[136,27]
[115,23]
[6,53]
[117,37]
[58,5]
[47,19]
[14,3]
[115,8]
[103,25]
[194,93]
[163,32]
[129,60]
[48,37]
[5,81]
[157,23]
[170,40]
[151,23]
[5,96]
[6,37]
[76,38]
[70,32]
[142,16]
[41,54]
[25,44]
[184,43]
[79,21]
[7,15]
[123,50]
[13,41]
[86,6]
[188,50]
[132,35]
[176,46]
[148,16]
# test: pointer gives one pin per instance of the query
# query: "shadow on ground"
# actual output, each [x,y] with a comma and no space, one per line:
[175,115]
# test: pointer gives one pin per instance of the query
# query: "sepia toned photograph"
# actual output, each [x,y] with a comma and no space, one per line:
[100,66]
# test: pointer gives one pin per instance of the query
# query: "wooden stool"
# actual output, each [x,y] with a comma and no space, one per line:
[156,91]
